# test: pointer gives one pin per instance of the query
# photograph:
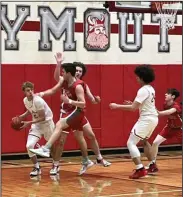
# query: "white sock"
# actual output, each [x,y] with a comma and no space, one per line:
[139,166]
[152,162]
[55,163]
[99,157]
[36,165]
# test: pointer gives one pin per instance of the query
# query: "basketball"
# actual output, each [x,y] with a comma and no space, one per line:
[16,123]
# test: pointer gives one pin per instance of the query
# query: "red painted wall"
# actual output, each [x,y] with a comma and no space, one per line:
[111,82]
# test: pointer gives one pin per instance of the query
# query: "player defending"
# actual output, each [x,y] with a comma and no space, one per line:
[148,120]
[87,129]
[41,124]
[73,102]
[173,127]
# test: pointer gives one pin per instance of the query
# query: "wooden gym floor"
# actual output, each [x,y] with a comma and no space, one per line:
[98,181]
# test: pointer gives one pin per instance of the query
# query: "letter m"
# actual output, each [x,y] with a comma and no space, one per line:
[57,26]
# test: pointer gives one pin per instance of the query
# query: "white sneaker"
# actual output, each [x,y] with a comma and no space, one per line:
[103,162]
[42,151]
[54,170]
[86,166]
[35,172]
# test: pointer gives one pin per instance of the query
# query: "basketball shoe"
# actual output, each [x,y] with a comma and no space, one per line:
[86,166]
[152,168]
[138,173]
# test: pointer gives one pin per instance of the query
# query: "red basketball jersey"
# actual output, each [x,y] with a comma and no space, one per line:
[174,120]
[70,91]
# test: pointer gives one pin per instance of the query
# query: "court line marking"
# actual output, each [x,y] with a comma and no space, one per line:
[142,193]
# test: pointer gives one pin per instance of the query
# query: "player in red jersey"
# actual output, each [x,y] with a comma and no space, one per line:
[73,103]
[173,127]
[87,129]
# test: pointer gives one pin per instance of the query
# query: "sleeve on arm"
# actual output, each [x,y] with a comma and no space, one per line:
[39,104]
[177,107]
[142,94]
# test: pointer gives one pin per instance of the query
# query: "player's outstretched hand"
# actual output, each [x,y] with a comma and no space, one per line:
[59,57]
[113,105]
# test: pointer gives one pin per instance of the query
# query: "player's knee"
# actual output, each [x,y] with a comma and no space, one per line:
[30,146]
[61,141]
[158,140]
[91,136]
[129,143]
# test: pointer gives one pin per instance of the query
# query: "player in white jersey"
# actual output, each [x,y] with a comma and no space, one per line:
[41,124]
[148,116]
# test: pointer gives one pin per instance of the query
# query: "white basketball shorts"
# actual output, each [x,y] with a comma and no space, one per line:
[145,126]
[44,129]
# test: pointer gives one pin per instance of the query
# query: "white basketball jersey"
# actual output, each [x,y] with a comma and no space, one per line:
[146,96]
[38,104]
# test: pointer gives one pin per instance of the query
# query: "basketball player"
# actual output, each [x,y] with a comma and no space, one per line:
[80,72]
[173,127]
[73,104]
[41,124]
[148,120]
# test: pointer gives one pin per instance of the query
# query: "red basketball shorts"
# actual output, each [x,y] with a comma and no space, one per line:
[168,133]
[75,120]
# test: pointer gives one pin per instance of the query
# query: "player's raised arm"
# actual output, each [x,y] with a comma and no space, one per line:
[59,60]
[53,90]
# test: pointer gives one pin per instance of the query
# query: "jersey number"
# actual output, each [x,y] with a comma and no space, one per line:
[153,98]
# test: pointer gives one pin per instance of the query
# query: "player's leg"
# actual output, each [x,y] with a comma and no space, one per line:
[57,148]
[86,162]
[160,138]
[155,146]
[132,142]
[56,153]
[152,167]
[82,144]
[44,151]
[141,130]
[31,142]
[147,149]
[88,132]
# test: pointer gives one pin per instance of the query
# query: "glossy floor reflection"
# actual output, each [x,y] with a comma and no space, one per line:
[98,181]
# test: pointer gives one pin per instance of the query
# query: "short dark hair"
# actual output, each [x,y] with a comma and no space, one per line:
[145,73]
[81,65]
[173,92]
[27,84]
[69,68]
